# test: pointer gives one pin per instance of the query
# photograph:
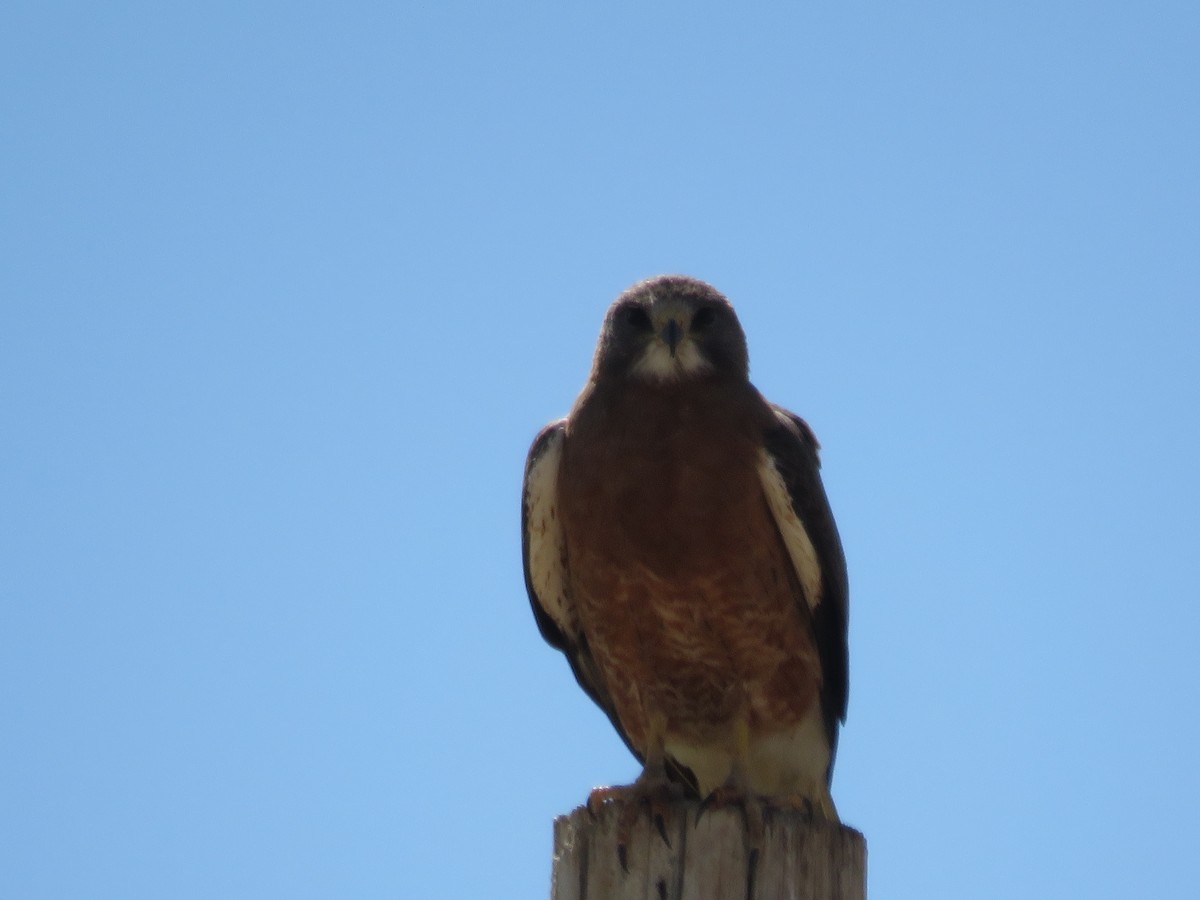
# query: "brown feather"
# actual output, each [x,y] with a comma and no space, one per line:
[680,577]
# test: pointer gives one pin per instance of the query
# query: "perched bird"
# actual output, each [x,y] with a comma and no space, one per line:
[680,551]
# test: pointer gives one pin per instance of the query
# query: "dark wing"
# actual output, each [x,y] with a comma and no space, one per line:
[547,576]
[802,512]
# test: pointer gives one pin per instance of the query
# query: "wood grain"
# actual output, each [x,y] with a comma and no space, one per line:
[707,859]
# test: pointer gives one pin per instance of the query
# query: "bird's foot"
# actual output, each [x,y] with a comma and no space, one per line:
[752,806]
[656,794]
[815,809]
[798,803]
[735,792]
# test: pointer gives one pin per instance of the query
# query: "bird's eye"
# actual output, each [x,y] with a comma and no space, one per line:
[638,318]
[704,317]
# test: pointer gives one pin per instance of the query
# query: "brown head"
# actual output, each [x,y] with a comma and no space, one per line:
[668,329]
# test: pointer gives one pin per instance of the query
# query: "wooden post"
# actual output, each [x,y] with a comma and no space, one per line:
[706,859]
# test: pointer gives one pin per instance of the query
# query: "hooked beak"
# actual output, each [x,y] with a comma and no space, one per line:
[672,333]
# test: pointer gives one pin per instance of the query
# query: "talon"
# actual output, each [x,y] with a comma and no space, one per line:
[654,792]
[597,797]
[705,805]
[660,823]
[752,807]
[653,789]
[754,816]
[814,809]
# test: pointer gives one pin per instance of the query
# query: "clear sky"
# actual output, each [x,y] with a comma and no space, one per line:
[286,290]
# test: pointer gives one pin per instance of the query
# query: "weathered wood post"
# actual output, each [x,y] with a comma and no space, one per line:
[706,859]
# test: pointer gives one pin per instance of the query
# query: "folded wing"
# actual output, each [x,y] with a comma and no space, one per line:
[547,569]
[790,473]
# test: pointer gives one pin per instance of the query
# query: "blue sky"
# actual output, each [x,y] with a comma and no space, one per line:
[286,290]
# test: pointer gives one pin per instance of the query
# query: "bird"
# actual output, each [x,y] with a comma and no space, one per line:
[679,549]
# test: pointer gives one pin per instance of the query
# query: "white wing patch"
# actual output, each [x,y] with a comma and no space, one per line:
[547,544]
[795,537]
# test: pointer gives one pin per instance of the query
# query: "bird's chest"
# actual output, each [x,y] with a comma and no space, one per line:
[662,487]
[677,570]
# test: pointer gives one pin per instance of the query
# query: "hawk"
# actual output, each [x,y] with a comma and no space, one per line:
[679,549]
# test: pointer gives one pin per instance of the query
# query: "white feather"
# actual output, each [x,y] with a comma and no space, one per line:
[657,363]
[795,537]
[790,762]
[547,544]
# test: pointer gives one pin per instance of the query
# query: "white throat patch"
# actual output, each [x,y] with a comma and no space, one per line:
[657,363]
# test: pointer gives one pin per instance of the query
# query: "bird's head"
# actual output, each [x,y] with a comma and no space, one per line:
[671,328]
